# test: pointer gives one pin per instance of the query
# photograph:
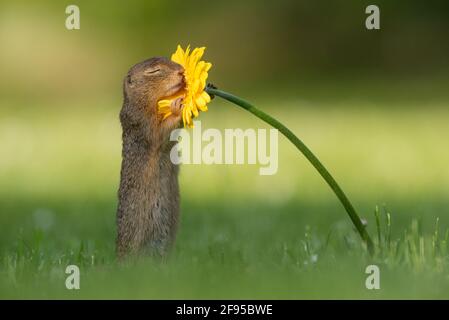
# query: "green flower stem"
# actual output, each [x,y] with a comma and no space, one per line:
[308,154]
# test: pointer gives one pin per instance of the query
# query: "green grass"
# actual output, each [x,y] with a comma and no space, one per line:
[241,235]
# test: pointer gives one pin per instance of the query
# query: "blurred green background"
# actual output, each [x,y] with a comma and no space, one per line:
[373,105]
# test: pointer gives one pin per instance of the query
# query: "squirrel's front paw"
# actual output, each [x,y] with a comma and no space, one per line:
[176,106]
[174,121]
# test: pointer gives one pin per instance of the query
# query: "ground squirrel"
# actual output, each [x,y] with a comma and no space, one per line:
[148,196]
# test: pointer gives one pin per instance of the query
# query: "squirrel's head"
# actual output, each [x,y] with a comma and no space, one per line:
[152,80]
[145,84]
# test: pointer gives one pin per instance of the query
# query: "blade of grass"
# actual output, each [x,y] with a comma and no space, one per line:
[379,232]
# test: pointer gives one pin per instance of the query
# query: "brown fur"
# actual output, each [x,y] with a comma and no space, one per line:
[148,196]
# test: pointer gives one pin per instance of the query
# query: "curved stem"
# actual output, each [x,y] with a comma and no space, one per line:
[308,154]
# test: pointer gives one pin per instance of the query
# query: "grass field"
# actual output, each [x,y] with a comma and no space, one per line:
[241,235]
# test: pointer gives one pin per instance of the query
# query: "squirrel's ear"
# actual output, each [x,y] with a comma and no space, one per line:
[129,80]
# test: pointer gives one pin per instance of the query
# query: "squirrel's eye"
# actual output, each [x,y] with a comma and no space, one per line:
[152,71]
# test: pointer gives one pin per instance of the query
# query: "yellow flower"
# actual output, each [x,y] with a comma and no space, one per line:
[195,99]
